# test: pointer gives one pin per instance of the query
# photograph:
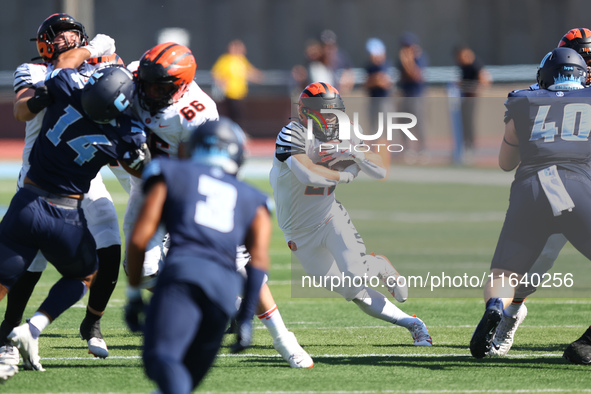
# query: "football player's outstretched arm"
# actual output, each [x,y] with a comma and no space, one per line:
[509,153]
[145,227]
[259,239]
[310,173]
[20,109]
[101,45]
[257,243]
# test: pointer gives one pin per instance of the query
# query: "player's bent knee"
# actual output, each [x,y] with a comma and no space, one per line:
[89,279]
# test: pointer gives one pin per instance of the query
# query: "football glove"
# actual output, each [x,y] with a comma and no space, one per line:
[138,158]
[243,336]
[101,45]
[134,310]
[40,100]
[349,173]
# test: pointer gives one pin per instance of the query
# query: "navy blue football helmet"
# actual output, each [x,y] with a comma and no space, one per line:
[108,92]
[219,143]
[562,69]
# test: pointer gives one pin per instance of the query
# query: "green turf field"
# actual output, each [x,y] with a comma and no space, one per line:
[442,227]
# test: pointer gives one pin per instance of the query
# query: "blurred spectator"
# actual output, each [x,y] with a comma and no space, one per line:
[231,72]
[473,78]
[378,86]
[412,62]
[315,69]
[338,62]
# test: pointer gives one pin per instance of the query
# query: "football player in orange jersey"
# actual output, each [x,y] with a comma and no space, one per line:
[171,104]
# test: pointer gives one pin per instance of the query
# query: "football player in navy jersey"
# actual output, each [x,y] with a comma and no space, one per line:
[208,213]
[83,129]
[62,40]
[578,39]
[552,188]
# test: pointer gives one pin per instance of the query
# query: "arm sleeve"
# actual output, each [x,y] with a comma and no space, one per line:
[22,78]
[290,141]
[305,176]
[371,169]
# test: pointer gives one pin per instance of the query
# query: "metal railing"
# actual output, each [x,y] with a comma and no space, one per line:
[434,75]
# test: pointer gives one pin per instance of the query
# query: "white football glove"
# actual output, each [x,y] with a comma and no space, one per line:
[348,174]
[101,45]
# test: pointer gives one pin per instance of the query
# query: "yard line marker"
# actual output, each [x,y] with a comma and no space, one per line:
[251,355]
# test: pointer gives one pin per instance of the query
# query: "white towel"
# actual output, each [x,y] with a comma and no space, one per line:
[555,191]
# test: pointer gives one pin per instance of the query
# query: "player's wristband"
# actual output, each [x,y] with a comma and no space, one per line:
[252,288]
[133,293]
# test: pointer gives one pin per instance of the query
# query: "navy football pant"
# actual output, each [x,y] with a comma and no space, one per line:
[529,222]
[183,333]
[33,224]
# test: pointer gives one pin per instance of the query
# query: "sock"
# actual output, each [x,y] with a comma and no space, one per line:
[494,303]
[64,294]
[513,308]
[38,323]
[90,317]
[5,329]
[376,305]
[273,321]
[106,277]
[18,297]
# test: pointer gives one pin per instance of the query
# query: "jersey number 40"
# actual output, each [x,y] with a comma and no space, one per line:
[571,130]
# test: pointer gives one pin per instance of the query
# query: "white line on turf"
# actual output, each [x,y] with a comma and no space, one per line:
[251,355]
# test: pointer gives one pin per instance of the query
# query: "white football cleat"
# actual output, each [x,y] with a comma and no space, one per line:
[28,347]
[91,332]
[420,334]
[7,371]
[98,347]
[9,355]
[503,339]
[287,345]
[389,276]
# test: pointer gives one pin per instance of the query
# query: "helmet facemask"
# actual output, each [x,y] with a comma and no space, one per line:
[315,98]
[155,96]
[51,28]
[325,126]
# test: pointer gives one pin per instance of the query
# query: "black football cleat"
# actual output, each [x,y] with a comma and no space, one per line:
[485,330]
[579,352]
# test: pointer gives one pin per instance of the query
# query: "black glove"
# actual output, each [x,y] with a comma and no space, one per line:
[243,336]
[40,100]
[138,158]
[134,310]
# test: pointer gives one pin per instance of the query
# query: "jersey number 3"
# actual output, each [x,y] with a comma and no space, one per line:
[570,131]
[217,211]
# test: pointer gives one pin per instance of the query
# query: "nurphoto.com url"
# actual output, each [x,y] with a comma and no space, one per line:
[441,281]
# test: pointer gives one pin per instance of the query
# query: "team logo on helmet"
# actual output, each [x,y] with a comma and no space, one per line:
[107,93]
[562,69]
